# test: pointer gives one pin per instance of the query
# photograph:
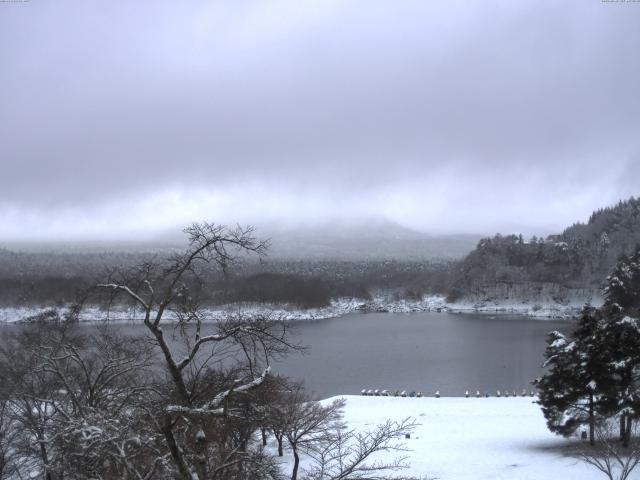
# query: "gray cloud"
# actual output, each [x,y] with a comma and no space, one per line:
[120,118]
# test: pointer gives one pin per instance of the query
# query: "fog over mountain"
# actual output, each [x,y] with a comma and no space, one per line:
[370,239]
[373,238]
[121,120]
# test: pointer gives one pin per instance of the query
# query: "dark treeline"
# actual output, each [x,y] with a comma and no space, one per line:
[302,291]
[56,279]
[362,278]
[578,258]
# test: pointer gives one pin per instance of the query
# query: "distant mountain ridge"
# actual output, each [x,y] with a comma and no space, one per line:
[376,239]
[357,240]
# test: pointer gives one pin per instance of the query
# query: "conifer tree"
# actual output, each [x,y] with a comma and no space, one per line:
[621,338]
[623,285]
[595,372]
[572,393]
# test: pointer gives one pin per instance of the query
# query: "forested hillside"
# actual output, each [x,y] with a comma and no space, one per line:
[578,258]
[609,233]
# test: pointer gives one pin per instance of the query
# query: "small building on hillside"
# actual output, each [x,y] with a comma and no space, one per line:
[553,239]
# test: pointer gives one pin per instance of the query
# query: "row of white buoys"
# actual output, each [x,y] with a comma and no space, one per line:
[404,393]
[387,393]
[505,394]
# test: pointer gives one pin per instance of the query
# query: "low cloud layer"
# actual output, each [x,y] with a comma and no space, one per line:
[122,119]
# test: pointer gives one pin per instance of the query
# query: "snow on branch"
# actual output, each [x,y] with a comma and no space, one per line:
[214,407]
[211,338]
[127,290]
[221,397]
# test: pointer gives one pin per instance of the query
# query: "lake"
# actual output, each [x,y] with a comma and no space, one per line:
[420,351]
[425,352]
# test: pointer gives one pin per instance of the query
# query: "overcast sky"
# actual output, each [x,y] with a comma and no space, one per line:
[119,119]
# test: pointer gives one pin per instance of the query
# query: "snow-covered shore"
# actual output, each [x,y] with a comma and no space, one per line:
[471,438]
[94,313]
[438,303]
[337,308]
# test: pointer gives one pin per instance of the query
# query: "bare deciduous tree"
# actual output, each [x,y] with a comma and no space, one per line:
[76,402]
[350,455]
[173,289]
[186,401]
[307,423]
[609,455]
[10,459]
[335,452]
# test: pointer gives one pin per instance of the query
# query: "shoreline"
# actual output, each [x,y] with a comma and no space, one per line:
[338,308]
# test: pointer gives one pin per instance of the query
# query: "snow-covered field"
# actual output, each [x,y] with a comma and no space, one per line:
[473,438]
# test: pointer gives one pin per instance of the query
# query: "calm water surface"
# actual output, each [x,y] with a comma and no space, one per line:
[418,351]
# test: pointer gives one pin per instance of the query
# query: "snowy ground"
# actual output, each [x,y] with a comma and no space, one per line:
[337,308]
[473,438]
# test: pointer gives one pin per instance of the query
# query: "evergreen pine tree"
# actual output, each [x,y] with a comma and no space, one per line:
[621,338]
[623,285]
[572,392]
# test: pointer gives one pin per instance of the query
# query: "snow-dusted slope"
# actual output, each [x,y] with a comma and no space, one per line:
[474,438]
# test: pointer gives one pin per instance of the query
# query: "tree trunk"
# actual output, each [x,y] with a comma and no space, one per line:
[264,437]
[174,449]
[201,454]
[622,426]
[280,450]
[45,458]
[592,422]
[174,371]
[296,463]
[627,432]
